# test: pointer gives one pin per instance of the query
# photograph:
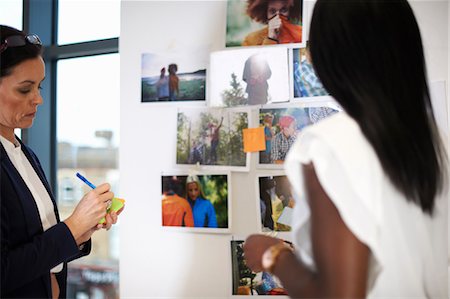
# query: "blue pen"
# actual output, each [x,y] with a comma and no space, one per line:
[86,181]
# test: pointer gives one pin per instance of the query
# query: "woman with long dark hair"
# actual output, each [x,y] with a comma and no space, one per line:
[371,182]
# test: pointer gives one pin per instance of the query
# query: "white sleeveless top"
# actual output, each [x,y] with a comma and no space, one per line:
[409,256]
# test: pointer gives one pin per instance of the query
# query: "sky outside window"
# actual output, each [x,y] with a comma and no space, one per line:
[87,20]
[11,13]
[88,99]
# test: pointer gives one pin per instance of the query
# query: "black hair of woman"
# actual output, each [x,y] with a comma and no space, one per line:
[10,58]
[378,75]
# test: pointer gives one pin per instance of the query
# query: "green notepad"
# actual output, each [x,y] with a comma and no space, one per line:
[116,204]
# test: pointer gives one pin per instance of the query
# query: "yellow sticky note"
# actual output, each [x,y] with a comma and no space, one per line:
[116,204]
[254,140]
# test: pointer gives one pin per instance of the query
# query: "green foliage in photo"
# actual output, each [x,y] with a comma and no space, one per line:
[148,92]
[182,142]
[192,90]
[235,95]
[215,189]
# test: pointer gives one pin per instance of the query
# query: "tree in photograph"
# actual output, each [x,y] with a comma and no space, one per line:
[235,144]
[234,96]
[215,188]
[246,275]
[183,136]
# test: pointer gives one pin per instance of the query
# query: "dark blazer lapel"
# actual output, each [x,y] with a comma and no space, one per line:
[40,172]
[29,205]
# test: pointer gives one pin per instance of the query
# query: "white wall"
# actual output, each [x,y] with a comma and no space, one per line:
[433,20]
[158,264]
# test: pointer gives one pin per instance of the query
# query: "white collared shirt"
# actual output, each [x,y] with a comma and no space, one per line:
[34,184]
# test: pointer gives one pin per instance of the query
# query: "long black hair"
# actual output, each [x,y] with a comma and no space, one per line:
[13,56]
[369,56]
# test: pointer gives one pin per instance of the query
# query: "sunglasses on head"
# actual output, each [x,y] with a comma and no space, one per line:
[20,41]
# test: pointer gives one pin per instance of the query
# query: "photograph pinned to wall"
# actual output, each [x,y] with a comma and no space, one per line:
[305,81]
[275,203]
[212,137]
[174,75]
[247,282]
[264,22]
[196,202]
[248,77]
[282,124]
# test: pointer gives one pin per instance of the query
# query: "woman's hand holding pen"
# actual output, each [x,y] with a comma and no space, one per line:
[110,219]
[92,207]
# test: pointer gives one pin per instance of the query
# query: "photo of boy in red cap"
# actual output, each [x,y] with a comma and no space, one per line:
[281,126]
[283,141]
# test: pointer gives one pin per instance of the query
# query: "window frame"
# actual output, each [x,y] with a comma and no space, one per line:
[41,17]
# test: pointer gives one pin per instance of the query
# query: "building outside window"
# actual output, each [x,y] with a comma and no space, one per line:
[88,140]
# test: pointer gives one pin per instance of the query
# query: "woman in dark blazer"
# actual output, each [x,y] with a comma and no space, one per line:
[35,244]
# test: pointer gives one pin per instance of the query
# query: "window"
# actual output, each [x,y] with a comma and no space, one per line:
[82,21]
[11,13]
[87,142]
[77,129]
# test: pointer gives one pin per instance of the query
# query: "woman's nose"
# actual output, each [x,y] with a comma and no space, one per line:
[38,100]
